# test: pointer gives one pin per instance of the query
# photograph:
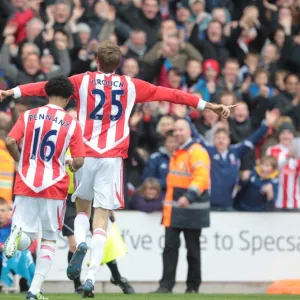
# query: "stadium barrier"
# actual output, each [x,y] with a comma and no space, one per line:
[238,247]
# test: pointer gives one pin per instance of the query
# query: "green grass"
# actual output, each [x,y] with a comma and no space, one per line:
[155,297]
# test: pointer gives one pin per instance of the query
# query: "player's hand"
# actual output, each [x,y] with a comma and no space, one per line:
[5,94]
[69,163]
[220,109]
[272,116]
[183,202]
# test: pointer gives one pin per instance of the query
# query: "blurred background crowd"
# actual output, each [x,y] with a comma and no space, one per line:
[226,51]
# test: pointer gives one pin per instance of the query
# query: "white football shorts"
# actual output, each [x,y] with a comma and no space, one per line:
[29,212]
[101,179]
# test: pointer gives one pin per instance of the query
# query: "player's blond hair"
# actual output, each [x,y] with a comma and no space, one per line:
[109,56]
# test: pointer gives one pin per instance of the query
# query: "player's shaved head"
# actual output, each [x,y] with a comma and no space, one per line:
[109,56]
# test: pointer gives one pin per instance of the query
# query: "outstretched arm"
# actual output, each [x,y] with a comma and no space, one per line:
[36,89]
[146,92]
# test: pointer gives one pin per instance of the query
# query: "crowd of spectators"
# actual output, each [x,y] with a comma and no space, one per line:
[226,51]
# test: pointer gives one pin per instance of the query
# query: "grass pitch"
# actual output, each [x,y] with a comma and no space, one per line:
[156,297]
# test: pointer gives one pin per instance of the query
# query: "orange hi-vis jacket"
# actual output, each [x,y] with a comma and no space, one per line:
[189,176]
[7,173]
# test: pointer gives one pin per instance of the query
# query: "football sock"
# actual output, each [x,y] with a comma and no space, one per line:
[97,249]
[77,282]
[114,270]
[81,228]
[43,264]
[25,242]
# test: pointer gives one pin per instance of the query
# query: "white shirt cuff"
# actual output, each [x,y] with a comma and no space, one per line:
[201,104]
[17,92]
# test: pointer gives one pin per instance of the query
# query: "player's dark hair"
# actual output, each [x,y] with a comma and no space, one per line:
[59,86]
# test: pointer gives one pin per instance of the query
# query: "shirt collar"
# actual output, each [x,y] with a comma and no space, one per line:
[186,143]
[54,106]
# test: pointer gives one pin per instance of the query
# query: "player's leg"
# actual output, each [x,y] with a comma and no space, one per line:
[119,280]
[96,249]
[108,195]
[83,196]
[68,231]
[51,215]
[24,225]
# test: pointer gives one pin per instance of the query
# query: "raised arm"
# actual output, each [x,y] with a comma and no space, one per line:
[250,142]
[146,92]
[9,69]
[196,134]
[30,89]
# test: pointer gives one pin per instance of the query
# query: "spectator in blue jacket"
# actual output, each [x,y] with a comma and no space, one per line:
[158,164]
[148,197]
[258,191]
[225,161]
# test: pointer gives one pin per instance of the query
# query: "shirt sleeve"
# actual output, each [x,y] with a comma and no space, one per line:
[147,92]
[17,132]
[77,148]
[30,89]
[38,89]
[200,166]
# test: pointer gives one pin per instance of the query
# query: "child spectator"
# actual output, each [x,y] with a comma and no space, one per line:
[147,197]
[250,66]
[192,76]
[158,164]
[289,167]
[261,79]
[258,191]
[207,86]
[279,80]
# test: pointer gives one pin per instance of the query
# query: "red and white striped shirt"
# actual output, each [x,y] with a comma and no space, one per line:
[289,178]
[47,133]
[104,105]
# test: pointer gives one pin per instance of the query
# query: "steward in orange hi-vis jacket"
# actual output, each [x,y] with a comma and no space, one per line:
[186,208]
[189,176]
